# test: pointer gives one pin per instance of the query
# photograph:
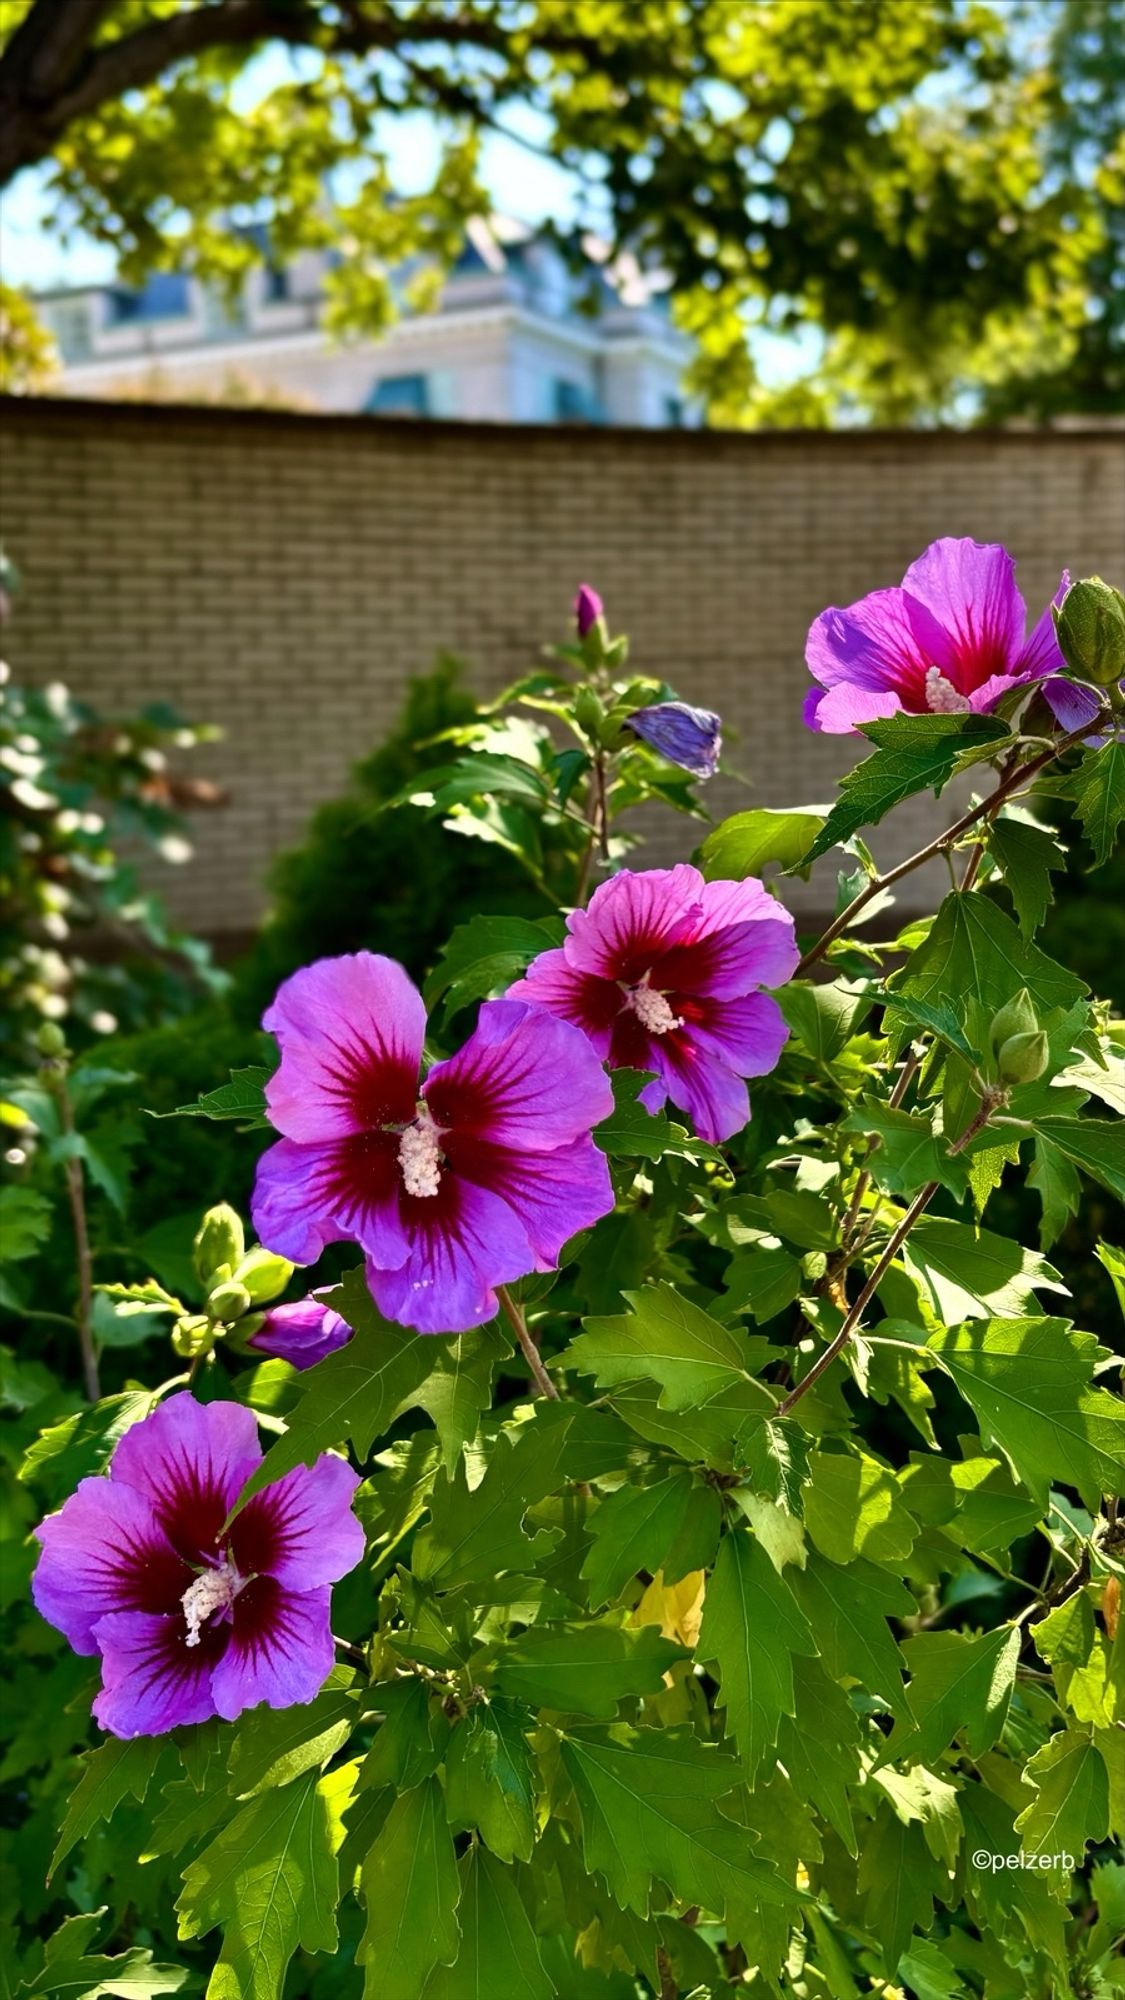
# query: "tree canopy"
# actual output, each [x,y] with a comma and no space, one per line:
[929,186]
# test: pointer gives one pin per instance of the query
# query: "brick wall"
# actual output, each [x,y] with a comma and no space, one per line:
[282,575]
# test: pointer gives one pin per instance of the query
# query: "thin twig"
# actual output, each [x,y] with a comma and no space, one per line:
[76,1195]
[539,1376]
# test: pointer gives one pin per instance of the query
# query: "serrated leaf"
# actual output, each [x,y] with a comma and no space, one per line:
[1029,1383]
[773,1456]
[352,1394]
[270,1879]
[411,1890]
[664,1338]
[583,1669]
[1098,790]
[67,1970]
[1011,1904]
[854,1507]
[762,1282]
[474,1534]
[82,1444]
[114,1771]
[975,952]
[751,1628]
[274,1746]
[672,1526]
[909,1152]
[499,1955]
[819,1745]
[742,845]
[708,1435]
[932,1017]
[649,1809]
[484,956]
[459,1386]
[825,1017]
[489,1780]
[968,1271]
[634,1133]
[1058,1186]
[1097,1145]
[1071,1804]
[958,1685]
[847,1607]
[244,1098]
[1026,856]
[916,753]
[25,1222]
[900,1878]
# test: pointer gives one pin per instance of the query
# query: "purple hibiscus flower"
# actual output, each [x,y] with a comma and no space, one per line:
[301,1333]
[468,1183]
[950,640]
[663,973]
[191,1621]
[690,737]
[588,608]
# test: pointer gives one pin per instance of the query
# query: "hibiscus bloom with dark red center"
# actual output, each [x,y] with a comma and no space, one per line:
[192,1619]
[469,1180]
[663,972]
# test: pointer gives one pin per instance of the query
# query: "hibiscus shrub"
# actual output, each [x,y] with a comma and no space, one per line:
[627,1522]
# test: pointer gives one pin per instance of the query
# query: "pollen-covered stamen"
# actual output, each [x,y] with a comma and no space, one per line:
[652,1010]
[942,698]
[419,1156]
[213,1590]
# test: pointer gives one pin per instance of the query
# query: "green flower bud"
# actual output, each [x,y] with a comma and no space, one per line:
[588,711]
[1023,1058]
[1090,628]
[228,1300]
[1016,1017]
[264,1275]
[219,1240]
[50,1040]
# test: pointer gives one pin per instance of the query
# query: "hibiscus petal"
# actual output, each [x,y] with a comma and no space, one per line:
[306,1197]
[592,1004]
[104,1551]
[524,1079]
[748,1035]
[1042,654]
[744,939]
[152,1680]
[350,1031]
[279,1648]
[875,645]
[191,1461]
[464,1242]
[631,918]
[1071,704]
[969,589]
[301,1530]
[554,1194]
[715,1099]
[838,711]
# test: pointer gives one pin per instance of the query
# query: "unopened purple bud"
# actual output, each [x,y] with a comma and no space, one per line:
[587,609]
[690,737]
[301,1333]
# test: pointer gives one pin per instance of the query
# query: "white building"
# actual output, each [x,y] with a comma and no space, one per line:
[513,341]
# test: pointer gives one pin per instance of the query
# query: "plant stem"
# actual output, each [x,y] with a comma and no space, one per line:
[76,1195]
[942,842]
[541,1380]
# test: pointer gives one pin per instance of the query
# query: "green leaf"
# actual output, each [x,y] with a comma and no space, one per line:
[1097,1145]
[488,1777]
[762,1282]
[25,1222]
[909,1152]
[709,1435]
[1029,1383]
[114,1771]
[485,773]
[484,956]
[459,1386]
[742,845]
[773,1456]
[1098,790]
[634,1133]
[819,1746]
[1071,1804]
[499,1956]
[1056,1182]
[853,1507]
[664,1339]
[1082,1665]
[274,1746]
[899,1877]
[751,1628]
[672,1526]
[916,753]
[352,1394]
[584,1669]
[405,1750]
[244,1098]
[67,1970]
[82,1444]
[936,1018]
[648,1809]
[1015,1903]
[825,1017]
[847,1608]
[1026,856]
[969,1272]
[270,1879]
[474,1534]
[411,1889]
[975,952]
[957,1686]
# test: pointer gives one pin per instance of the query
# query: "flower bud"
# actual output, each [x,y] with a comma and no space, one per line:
[1016,1017]
[689,737]
[228,1300]
[50,1040]
[587,609]
[1023,1058]
[219,1240]
[588,711]
[264,1275]
[1090,628]
[302,1333]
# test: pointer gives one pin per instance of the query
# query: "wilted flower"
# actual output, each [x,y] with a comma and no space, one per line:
[301,1333]
[468,1183]
[662,973]
[588,608]
[949,641]
[690,737]
[192,1620]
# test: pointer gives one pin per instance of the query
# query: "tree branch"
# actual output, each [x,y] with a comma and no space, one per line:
[539,1376]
